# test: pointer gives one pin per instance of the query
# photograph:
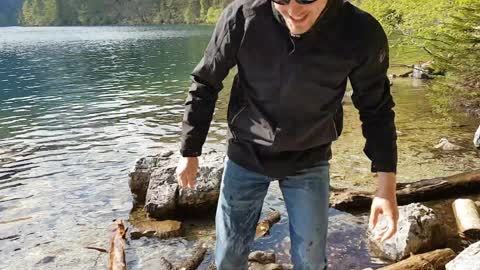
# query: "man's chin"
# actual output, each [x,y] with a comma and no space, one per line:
[297,30]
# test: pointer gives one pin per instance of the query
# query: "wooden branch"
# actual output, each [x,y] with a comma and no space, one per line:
[264,226]
[117,248]
[423,190]
[102,250]
[405,75]
[436,259]
[467,218]
[193,262]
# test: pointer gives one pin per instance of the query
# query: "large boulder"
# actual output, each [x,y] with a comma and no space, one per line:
[153,183]
[419,230]
[467,260]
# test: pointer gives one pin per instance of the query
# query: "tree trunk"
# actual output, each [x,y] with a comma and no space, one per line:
[467,218]
[423,190]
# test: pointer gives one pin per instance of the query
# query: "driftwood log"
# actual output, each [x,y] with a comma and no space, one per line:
[117,248]
[423,190]
[436,259]
[263,227]
[467,218]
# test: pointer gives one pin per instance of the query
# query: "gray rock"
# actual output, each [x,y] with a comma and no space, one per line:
[162,193]
[205,194]
[140,175]
[154,179]
[419,230]
[467,260]
[165,265]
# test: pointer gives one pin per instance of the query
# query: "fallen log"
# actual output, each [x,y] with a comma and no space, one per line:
[467,218]
[117,248]
[263,227]
[423,190]
[436,259]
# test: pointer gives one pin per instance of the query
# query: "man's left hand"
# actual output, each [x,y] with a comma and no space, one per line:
[385,202]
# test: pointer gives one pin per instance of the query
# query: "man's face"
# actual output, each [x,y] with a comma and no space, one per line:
[300,18]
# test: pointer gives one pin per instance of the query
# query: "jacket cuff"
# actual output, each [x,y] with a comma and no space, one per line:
[188,149]
[190,153]
[384,166]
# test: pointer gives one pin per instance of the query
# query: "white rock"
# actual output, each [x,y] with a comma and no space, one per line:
[468,259]
[418,230]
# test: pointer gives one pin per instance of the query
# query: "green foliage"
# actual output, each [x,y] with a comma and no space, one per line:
[39,12]
[457,51]
[213,14]
[449,30]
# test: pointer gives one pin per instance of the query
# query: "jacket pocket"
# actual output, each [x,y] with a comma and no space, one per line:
[250,124]
[302,135]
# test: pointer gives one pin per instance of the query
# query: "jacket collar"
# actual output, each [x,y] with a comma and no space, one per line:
[331,11]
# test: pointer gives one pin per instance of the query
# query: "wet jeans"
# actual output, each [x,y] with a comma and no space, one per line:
[242,193]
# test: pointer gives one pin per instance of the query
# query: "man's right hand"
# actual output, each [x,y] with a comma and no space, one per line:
[187,172]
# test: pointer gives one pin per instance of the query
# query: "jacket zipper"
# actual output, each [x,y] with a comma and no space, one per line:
[233,121]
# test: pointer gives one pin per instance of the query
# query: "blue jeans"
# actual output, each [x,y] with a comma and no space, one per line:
[242,193]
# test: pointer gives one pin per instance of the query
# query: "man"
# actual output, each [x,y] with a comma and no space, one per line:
[293,59]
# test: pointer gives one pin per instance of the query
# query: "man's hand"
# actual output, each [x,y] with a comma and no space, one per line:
[187,169]
[385,202]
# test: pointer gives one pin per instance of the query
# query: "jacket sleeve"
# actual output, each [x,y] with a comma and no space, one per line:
[207,78]
[371,96]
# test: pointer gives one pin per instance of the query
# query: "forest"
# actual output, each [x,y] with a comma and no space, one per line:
[108,12]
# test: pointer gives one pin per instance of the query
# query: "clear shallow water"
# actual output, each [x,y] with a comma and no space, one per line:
[78,105]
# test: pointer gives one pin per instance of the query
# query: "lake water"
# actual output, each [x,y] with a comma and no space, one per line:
[79,105]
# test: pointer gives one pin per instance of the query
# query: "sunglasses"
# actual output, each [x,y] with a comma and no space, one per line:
[286,2]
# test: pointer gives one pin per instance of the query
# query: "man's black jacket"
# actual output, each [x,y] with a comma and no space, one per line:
[285,103]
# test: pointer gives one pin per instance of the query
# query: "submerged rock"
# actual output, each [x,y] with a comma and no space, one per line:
[161,229]
[444,144]
[262,257]
[153,182]
[467,260]
[419,230]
